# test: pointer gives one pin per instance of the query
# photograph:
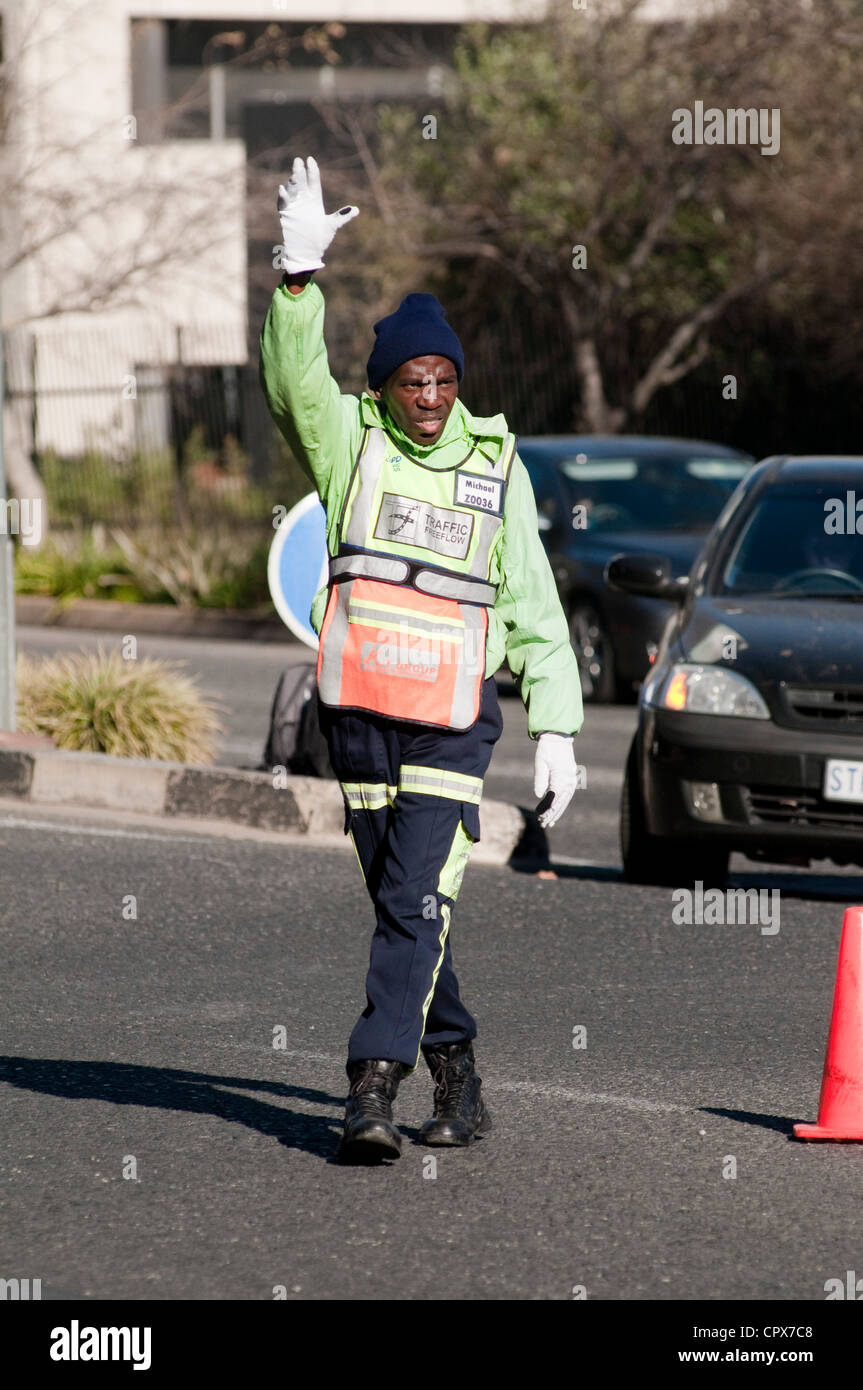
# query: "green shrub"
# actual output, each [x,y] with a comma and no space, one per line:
[81,564]
[203,567]
[98,487]
[97,702]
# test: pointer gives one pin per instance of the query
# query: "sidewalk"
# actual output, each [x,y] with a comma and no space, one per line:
[310,808]
[106,615]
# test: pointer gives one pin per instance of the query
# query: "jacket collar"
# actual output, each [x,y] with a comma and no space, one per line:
[460,426]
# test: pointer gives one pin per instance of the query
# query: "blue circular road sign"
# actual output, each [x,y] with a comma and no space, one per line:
[297,565]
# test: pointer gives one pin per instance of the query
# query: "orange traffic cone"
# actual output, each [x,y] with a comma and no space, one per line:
[840,1108]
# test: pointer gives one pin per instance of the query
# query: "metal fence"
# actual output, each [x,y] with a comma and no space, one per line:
[129,432]
[130,441]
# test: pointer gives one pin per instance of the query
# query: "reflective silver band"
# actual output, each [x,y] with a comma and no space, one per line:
[453,586]
[396,571]
[389,567]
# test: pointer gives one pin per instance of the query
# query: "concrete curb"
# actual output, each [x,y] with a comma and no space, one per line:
[106,615]
[310,807]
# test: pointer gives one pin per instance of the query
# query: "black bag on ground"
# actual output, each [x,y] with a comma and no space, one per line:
[295,740]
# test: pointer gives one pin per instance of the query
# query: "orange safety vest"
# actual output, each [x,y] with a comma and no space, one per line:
[404,632]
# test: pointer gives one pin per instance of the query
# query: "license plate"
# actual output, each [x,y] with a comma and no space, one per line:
[843,781]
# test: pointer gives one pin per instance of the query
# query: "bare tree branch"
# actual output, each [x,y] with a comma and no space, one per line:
[665,367]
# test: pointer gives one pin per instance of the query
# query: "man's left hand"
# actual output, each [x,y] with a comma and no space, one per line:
[306,229]
[555,773]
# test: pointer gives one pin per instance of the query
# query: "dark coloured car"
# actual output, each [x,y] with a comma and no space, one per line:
[600,495]
[750,732]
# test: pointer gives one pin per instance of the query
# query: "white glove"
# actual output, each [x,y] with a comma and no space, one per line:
[555,772]
[306,229]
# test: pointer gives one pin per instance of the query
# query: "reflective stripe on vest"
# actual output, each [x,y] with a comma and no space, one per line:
[353,566]
[405,628]
[390,650]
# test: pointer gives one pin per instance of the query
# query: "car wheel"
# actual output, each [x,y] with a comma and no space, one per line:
[649,859]
[592,645]
[646,858]
[705,865]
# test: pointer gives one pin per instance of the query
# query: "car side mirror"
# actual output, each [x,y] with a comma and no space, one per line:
[648,575]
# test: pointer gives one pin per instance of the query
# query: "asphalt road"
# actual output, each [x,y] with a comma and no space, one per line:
[242,677]
[144,1045]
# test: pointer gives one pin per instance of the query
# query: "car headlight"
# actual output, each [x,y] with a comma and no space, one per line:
[710,690]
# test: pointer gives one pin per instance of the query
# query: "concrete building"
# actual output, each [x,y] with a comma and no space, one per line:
[124,139]
[123,227]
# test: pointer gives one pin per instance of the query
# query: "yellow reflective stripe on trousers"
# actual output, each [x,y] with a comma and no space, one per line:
[433,781]
[445,917]
[449,881]
[357,853]
[368,796]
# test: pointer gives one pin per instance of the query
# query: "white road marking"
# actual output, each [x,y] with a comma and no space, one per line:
[86,820]
[546,1092]
[23,822]
[591,1097]
[581,863]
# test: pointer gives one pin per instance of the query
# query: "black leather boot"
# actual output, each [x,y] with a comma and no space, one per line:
[459,1109]
[369,1133]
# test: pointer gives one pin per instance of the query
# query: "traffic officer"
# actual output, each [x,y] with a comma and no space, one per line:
[436,575]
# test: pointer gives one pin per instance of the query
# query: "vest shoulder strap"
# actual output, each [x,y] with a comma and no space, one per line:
[510,446]
[363,445]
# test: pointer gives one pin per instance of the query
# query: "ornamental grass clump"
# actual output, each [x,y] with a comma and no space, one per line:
[97,702]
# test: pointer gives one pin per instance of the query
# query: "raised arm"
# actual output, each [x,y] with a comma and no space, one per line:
[320,424]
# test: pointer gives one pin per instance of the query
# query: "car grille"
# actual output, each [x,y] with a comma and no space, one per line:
[774,806]
[837,707]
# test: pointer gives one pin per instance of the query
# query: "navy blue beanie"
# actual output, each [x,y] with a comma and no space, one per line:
[416,329]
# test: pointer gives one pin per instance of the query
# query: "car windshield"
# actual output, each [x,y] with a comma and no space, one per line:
[797,542]
[655,493]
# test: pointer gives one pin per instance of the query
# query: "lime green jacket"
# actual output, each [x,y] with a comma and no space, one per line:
[526,626]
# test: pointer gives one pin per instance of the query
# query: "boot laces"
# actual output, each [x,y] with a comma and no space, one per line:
[375,1090]
[449,1083]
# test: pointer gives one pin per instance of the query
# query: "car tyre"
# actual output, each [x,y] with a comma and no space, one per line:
[650,859]
[591,643]
[705,864]
[646,859]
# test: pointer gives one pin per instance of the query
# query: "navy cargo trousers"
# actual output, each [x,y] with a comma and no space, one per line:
[412,798]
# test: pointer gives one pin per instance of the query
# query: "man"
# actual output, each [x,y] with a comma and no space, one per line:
[437,574]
